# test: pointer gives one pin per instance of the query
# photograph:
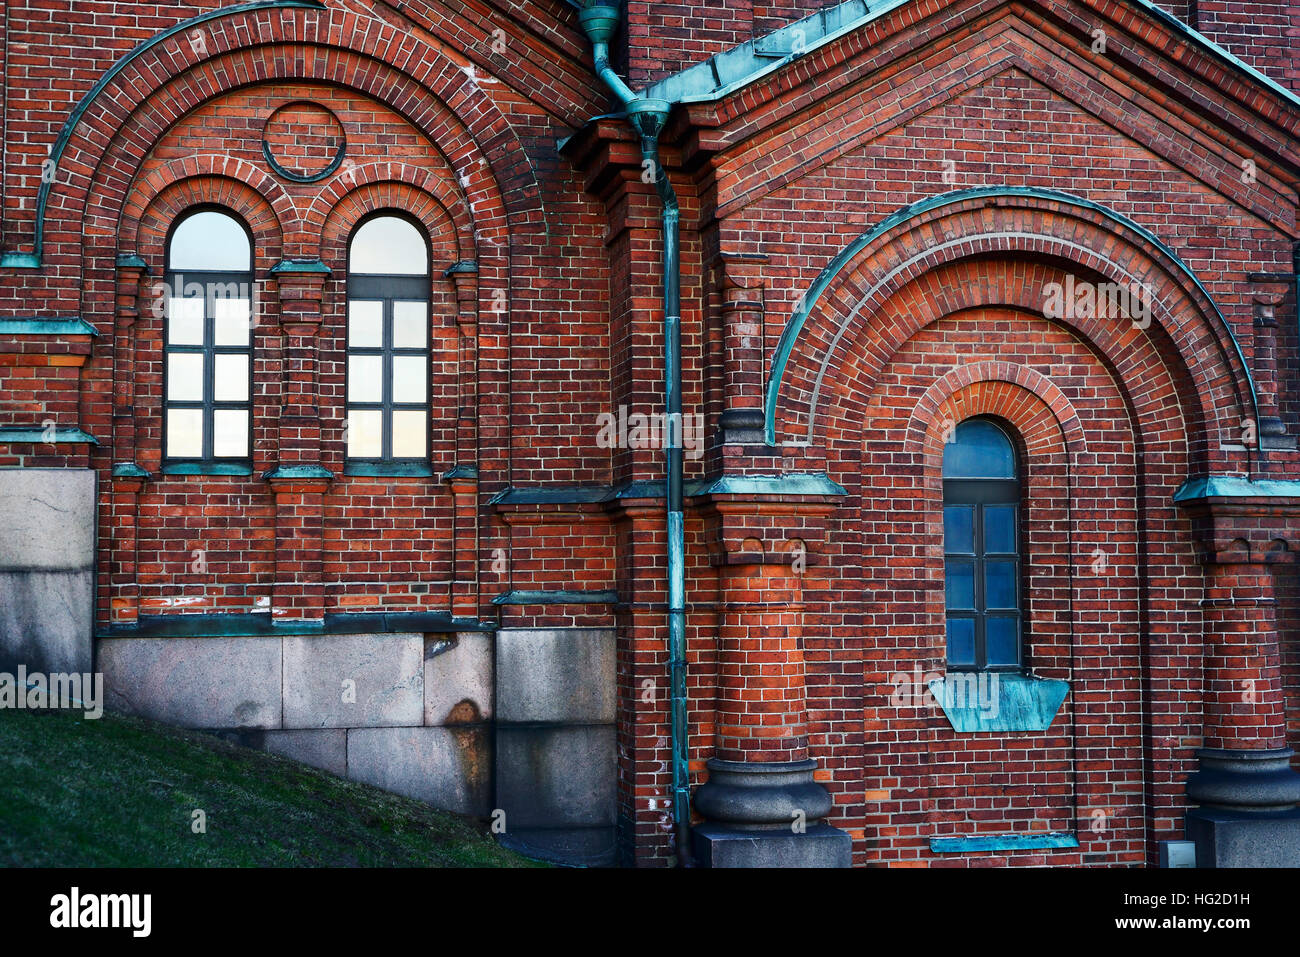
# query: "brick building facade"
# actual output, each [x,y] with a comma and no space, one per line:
[1050,242]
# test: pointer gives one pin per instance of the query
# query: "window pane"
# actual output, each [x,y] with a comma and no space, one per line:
[185,322]
[961,641]
[231,374]
[364,433]
[230,433]
[389,245]
[185,376]
[1000,529]
[210,241]
[981,450]
[409,432]
[1000,584]
[184,433]
[1001,644]
[233,321]
[365,324]
[959,584]
[959,529]
[409,379]
[410,325]
[365,378]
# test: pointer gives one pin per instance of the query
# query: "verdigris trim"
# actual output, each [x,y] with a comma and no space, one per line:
[724,73]
[32,260]
[14,436]
[1002,842]
[129,470]
[554,495]
[262,625]
[790,334]
[812,483]
[389,470]
[993,701]
[464,266]
[131,261]
[300,265]
[298,472]
[64,326]
[809,483]
[557,598]
[289,174]
[205,468]
[460,472]
[1227,486]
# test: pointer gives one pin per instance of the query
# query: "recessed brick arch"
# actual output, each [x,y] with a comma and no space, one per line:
[392,185]
[394,68]
[149,229]
[968,390]
[227,181]
[848,313]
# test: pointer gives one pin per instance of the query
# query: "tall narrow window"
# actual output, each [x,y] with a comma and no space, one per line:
[981,544]
[207,372]
[388,344]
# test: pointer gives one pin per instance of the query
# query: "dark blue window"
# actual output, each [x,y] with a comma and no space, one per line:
[981,545]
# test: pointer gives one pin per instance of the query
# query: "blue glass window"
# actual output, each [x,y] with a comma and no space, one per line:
[981,544]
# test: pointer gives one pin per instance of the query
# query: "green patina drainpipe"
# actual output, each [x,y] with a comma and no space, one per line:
[647,117]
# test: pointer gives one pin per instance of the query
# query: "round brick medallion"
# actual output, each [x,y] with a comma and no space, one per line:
[303,142]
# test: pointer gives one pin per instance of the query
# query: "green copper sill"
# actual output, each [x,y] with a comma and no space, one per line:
[129,470]
[206,468]
[1002,842]
[558,597]
[262,625]
[15,436]
[1227,486]
[389,469]
[301,266]
[289,472]
[131,261]
[63,326]
[468,472]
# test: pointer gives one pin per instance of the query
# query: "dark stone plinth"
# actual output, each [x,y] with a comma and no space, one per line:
[1227,838]
[743,427]
[766,815]
[1247,815]
[725,845]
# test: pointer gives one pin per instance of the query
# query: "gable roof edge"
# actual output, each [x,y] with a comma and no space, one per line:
[744,64]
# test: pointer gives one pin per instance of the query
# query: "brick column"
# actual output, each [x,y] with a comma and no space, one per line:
[1244,787]
[299,481]
[742,350]
[128,478]
[761,803]
[1266,297]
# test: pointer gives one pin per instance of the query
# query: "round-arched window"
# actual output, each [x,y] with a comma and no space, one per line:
[207,370]
[388,346]
[981,544]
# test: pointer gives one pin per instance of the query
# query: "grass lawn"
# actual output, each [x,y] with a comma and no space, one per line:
[120,792]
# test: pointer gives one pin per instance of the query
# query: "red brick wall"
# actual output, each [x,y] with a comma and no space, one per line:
[461,131]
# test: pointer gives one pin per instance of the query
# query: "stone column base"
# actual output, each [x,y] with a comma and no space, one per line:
[1227,838]
[726,845]
[766,815]
[1248,815]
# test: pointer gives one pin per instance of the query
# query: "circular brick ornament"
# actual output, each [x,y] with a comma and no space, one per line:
[303,142]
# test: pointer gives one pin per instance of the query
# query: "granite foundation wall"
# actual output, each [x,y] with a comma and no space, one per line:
[47,569]
[516,725]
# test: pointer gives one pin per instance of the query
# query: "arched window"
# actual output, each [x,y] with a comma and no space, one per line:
[207,369]
[388,345]
[981,545]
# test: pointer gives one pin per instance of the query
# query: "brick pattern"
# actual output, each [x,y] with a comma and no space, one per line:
[940,318]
